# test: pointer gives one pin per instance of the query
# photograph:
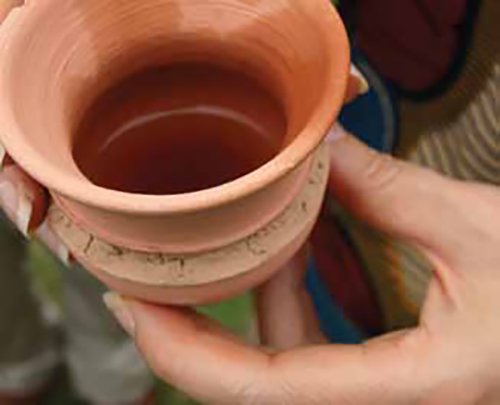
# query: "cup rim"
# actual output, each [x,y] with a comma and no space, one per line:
[83,191]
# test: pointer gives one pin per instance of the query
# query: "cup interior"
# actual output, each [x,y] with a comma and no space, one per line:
[63,56]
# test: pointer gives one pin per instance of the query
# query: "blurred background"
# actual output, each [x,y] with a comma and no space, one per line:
[46,271]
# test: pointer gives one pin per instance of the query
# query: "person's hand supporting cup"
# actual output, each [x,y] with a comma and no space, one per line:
[450,358]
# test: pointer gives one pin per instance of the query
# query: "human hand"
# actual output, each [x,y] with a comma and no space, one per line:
[450,358]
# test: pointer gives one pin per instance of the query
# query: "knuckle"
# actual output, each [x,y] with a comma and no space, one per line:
[483,201]
[255,394]
[268,386]
[381,172]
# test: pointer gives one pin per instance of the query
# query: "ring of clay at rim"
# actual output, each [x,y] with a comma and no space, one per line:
[298,48]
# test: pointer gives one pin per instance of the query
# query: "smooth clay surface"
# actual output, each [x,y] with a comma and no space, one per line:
[209,276]
[296,49]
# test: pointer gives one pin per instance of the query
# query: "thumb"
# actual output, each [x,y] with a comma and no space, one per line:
[189,351]
[196,356]
[396,197]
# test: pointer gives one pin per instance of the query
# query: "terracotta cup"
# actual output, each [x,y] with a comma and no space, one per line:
[58,56]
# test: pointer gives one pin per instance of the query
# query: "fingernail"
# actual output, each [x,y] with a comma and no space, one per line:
[119,307]
[23,214]
[335,134]
[3,153]
[52,241]
[363,86]
[18,209]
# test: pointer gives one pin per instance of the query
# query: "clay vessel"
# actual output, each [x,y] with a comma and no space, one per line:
[58,56]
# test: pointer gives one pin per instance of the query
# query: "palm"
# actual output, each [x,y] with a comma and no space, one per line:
[450,358]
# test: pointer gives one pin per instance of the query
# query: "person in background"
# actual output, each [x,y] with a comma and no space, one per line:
[407,245]
[104,364]
[434,73]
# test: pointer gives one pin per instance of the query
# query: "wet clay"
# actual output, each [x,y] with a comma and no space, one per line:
[178,128]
